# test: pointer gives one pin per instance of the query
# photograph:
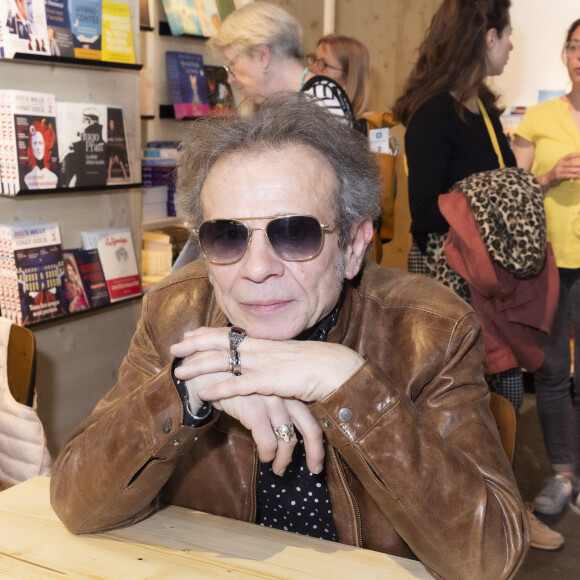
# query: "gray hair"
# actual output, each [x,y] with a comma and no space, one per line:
[282,120]
[260,23]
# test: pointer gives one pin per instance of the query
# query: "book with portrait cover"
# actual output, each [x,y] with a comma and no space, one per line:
[117,255]
[187,84]
[86,26]
[29,144]
[76,293]
[82,133]
[118,166]
[91,272]
[24,27]
[60,38]
[117,42]
[182,17]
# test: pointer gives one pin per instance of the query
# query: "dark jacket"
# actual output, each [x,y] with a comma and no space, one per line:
[418,471]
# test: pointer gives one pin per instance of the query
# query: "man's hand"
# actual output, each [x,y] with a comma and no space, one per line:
[304,370]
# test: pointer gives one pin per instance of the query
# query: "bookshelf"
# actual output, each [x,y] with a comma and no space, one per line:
[78,356]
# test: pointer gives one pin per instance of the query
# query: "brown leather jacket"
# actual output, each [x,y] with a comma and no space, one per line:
[418,471]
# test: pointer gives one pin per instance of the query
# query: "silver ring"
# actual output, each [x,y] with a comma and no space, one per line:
[285,432]
[235,363]
[236,335]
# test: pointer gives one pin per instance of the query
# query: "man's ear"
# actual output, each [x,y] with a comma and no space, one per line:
[362,234]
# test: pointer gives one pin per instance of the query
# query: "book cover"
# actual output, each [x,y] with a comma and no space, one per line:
[182,17]
[220,95]
[24,29]
[187,84]
[117,35]
[118,167]
[39,270]
[76,294]
[82,144]
[119,264]
[208,16]
[86,26]
[225,8]
[60,39]
[145,15]
[30,140]
[93,279]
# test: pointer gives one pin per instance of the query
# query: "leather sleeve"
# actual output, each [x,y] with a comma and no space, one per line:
[109,472]
[432,460]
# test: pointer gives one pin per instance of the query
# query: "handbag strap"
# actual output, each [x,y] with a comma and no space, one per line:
[492,134]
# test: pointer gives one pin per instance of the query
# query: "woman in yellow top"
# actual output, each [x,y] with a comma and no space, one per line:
[548,142]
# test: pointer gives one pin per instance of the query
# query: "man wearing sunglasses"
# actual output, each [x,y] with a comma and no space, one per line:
[284,381]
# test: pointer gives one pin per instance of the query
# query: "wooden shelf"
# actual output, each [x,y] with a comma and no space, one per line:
[73,61]
[72,190]
[164,30]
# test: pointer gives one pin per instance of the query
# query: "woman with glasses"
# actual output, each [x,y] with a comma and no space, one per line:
[262,54]
[345,60]
[548,142]
[261,46]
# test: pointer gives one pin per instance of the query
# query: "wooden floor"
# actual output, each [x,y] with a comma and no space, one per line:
[531,468]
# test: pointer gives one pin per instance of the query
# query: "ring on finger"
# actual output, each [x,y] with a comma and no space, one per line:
[235,362]
[285,432]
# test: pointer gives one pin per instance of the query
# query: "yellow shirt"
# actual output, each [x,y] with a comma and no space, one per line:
[550,127]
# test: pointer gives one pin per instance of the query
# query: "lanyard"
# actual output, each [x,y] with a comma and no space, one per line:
[492,134]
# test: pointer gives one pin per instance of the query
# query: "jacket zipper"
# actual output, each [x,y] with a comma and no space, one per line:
[358,519]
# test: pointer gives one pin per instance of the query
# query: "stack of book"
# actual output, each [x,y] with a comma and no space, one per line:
[88,29]
[40,281]
[45,144]
[158,177]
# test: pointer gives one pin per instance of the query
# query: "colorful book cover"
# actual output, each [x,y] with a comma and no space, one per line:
[220,94]
[118,261]
[30,140]
[39,272]
[208,16]
[82,145]
[75,290]
[86,26]
[24,29]
[187,84]
[60,39]
[182,17]
[117,34]
[118,167]
[93,279]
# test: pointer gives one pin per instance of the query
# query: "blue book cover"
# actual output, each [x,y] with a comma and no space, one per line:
[86,26]
[60,39]
[187,84]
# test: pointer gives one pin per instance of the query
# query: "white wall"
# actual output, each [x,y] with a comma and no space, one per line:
[539,29]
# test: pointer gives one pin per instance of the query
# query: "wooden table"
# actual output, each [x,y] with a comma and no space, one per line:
[172,544]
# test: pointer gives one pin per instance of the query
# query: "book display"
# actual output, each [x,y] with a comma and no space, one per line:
[60,39]
[117,35]
[86,18]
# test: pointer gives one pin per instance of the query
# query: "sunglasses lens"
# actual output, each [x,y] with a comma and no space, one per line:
[223,241]
[295,237]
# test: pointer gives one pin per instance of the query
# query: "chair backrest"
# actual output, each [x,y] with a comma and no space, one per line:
[21,364]
[505,419]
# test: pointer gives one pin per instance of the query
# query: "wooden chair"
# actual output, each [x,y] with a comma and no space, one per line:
[21,364]
[505,419]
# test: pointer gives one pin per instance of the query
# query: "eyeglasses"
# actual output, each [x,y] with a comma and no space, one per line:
[321,64]
[294,238]
[229,65]
[573,47]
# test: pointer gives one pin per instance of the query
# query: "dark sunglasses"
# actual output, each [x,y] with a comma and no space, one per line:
[294,238]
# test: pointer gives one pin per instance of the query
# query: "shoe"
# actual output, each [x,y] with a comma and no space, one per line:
[552,499]
[575,503]
[542,537]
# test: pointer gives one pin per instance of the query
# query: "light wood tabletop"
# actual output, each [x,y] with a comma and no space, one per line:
[172,544]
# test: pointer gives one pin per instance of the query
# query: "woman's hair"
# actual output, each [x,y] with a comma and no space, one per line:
[260,23]
[282,120]
[569,34]
[353,58]
[49,137]
[453,55]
